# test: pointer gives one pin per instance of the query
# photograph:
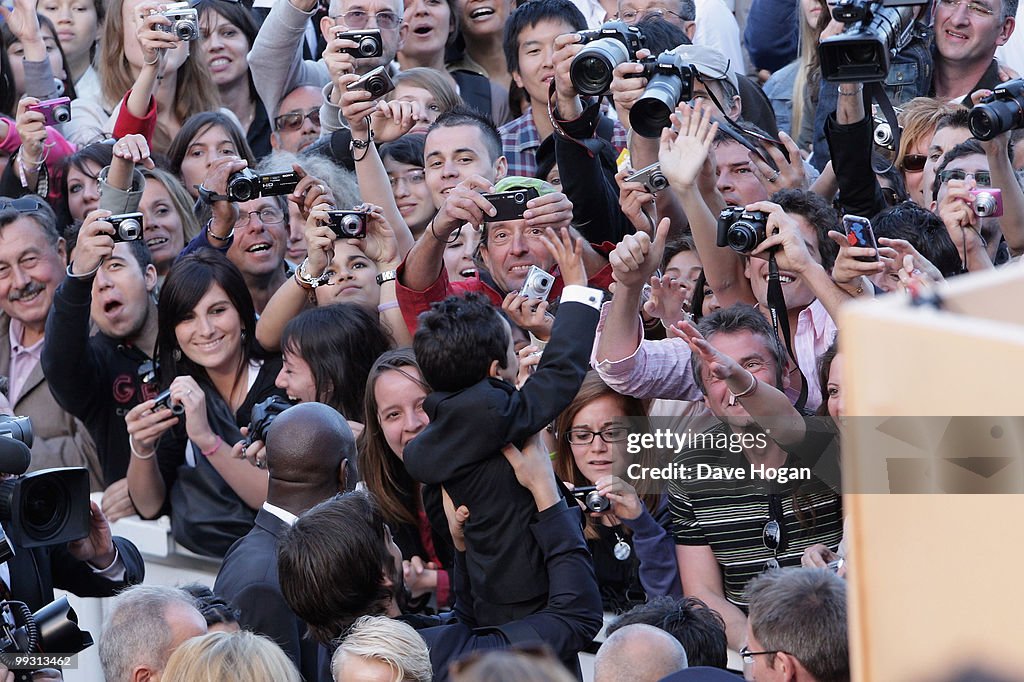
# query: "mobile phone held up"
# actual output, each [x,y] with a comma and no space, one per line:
[859,233]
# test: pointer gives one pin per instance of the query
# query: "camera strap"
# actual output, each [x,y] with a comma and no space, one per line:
[874,92]
[780,323]
[208,196]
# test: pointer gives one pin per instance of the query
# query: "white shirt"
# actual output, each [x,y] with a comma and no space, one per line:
[717,28]
[282,514]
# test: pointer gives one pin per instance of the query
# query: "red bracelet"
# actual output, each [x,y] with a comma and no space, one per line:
[213,449]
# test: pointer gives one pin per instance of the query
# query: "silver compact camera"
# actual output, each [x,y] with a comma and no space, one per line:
[538,284]
[127,227]
[184,21]
[650,177]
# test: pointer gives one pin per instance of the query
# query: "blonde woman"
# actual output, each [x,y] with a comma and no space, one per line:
[230,657]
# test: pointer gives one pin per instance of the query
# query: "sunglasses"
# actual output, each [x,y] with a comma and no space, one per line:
[913,163]
[771,534]
[983,178]
[25,204]
[292,121]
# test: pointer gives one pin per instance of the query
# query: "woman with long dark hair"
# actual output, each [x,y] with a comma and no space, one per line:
[216,373]
[202,139]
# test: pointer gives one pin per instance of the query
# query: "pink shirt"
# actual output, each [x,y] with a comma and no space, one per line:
[23,360]
[661,369]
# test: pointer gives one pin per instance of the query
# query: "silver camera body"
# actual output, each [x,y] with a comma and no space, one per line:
[538,284]
[127,227]
[650,177]
[184,21]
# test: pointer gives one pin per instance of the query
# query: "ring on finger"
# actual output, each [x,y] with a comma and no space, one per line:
[775,177]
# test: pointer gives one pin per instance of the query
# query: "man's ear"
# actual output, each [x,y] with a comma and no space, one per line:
[787,666]
[494,370]
[690,29]
[275,140]
[62,250]
[151,277]
[786,369]
[328,28]
[343,476]
[1007,31]
[516,78]
[142,674]
[737,107]
[500,168]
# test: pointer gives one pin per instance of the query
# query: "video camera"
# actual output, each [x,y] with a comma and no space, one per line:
[51,634]
[876,30]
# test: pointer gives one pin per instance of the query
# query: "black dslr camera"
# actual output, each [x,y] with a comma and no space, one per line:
[348,224]
[669,82]
[127,227]
[263,415]
[606,47]
[1001,111]
[247,184]
[368,43]
[742,231]
[51,634]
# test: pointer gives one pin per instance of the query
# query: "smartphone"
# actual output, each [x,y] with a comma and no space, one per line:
[859,233]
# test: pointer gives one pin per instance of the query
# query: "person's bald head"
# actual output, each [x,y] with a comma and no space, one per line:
[638,653]
[307,445]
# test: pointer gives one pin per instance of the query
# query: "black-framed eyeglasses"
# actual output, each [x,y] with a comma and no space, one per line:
[748,655]
[913,163]
[268,216]
[983,178]
[613,434]
[357,18]
[292,121]
[25,204]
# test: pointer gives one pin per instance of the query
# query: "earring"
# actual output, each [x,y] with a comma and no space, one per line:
[245,335]
[176,354]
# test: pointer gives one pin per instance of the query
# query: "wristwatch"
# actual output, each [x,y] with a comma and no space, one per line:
[387,276]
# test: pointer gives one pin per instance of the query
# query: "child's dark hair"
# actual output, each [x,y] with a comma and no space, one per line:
[458,339]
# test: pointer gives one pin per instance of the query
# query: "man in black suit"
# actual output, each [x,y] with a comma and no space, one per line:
[307,449]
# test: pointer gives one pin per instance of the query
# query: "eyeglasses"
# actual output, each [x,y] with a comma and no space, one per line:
[983,178]
[357,18]
[613,434]
[913,163]
[630,15]
[292,121]
[413,177]
[748,655]
[267,216]
[25,204]
[977,9]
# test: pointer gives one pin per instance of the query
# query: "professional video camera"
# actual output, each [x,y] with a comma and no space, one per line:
[876,30]
[612,44]
[47,638]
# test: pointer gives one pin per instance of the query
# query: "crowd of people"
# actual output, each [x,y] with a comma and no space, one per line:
[373,303]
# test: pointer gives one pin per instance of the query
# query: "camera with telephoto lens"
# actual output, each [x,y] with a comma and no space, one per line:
[987,202]
[184,21]
[605,48]
[262,416]
[127,227]
[1001,111]
[164,401]
[669,82]
[741,230]
[54,111]
[592,499]
[876,30]
[348,224]
[52,631]
[651,177]
[368,43]
[247,184]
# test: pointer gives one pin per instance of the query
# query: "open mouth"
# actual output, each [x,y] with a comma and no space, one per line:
[156,242]
[423,30]
[258,248]
[219,62]
[468,273]
[481,13]
[111,308]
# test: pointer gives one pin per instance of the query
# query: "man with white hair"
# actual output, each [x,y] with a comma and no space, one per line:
[378,647]
[638,653]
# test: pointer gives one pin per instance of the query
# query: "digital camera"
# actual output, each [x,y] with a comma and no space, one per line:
[262,416]
[377,82]
[184,21]
[368,43]
[247,184]
[54,111]
[1001,111]
[592,499]
[742,231]
[882,131]
[651,177]
[987,202]
[127,226]
[164,400]
[348,224]
[52,631]
[669,82]
[605,48]
[538,284]
[509,205]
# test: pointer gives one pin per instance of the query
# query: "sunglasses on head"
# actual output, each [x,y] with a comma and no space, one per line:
[913,163]
[21,204]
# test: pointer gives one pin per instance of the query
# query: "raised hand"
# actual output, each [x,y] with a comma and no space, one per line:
[669,300]
[636,257]
[637,203]
[682,156]
[568,253]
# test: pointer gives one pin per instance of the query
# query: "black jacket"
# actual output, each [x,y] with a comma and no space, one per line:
[461,449]
[248,580]
[94,378]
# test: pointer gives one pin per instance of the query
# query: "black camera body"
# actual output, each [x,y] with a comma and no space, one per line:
[669,82]
[164,401]
[509,205]
[52,630]
[875,32]
[127,227]
[377,82]
[262,416]
[368,43]
[1001,111]
[592,499]
[46,507]
[247,184]
[741,230]
[348,224]
[605,48]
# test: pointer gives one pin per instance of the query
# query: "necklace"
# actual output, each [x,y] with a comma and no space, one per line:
[622,550]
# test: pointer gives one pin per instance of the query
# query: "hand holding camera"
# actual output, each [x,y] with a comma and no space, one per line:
[320,238]
[146,423]
[224,212]
[154,35]
[637,201]
[623,496]
[95,243]
[957,213]
[309,192]
[465,203]
[378,241]
[530,314]
[628,84]
[783,238]
[391,120]
[31,127]
[356,104]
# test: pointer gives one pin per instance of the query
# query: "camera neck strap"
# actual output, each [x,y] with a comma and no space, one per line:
[874,92]
[780,323]
[208,196]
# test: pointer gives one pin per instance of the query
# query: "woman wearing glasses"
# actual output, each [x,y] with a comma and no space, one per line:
[634,555]
[227,32]
[919,119]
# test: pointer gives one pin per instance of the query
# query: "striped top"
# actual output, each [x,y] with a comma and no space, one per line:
[730,516]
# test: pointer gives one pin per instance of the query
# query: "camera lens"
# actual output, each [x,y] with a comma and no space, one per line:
[351,224]
[368,47]
[544,282]
[241,188]
[376,86]
[986,121]
[129,230]
[519,197]
[61,114]
[185,30]
[883,135]
[591,69]
[44,511]
[742,236]
[984,204]
[650,114]
[596,503]
[658,182]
